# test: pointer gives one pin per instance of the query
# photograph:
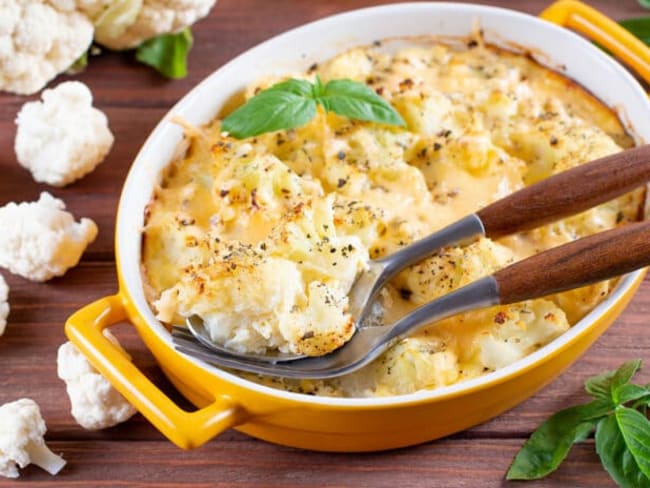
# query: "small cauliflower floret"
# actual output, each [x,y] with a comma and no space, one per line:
[251,303]
[452,268]
[63,137]
[426,115]
[242,298]
[21,439]
[309,237]
[323,325]
[125,24]
[518,330]
[355,64]
[413,364]
[95,403]
[556,143]
[38,40]
[40,239]
[4,304]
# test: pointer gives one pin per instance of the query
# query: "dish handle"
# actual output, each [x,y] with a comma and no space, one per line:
[600,28]
[185,429]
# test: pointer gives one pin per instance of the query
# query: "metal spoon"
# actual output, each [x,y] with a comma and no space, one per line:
[556,197]
[578,263]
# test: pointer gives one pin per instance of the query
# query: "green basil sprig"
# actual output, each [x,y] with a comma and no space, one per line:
[167,53]
[293,103]
[617,414]
[644,3]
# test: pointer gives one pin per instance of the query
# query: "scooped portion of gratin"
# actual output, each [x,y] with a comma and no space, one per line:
[263,237]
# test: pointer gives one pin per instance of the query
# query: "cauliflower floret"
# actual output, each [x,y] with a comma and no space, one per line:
[451,268]
[4,304]
[519,330]
[40,239]
[38,40]
[21,439]
[413,364]
[125,24]
[95,403]
[63,137]
[250,302]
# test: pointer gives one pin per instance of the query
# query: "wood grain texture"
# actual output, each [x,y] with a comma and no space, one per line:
[134,454]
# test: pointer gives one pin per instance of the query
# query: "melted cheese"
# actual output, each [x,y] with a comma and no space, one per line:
[264,237]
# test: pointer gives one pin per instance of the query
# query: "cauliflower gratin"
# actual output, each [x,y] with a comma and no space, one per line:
[264,237]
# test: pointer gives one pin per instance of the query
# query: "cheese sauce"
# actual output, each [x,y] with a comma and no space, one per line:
[263,237]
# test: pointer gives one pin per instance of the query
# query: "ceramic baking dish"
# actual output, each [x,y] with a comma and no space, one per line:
[225,400]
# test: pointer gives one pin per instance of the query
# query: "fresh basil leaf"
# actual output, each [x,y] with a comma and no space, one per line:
[639,26]
[167,53]
[318,89]
[644,3]
[616,457]
[298,87]
[550,443]
[293,103]
[603,385]
[268,111]
[356,101]
[629,392]
[635,429]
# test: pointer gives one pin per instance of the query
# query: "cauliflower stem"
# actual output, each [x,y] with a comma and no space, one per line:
[41,456]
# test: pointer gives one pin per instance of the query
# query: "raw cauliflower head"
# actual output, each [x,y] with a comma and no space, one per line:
[21,439]
[38,40]
[125,24]
[63,137]
[95,403]
[4,304]
[40,240]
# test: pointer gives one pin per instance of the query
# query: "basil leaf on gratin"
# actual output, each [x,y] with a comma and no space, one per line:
[357,101]
[167,53]
[293,103]
[644,3]
[283,106]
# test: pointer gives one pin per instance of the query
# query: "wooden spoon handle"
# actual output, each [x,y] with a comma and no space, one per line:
[587,260]
[567,193]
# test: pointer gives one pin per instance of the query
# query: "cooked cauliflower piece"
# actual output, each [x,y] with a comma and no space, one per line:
[38,40]
[40,239]
[289,304]
[518,330]
[21,439]
[4,304]
[125,24]
[95,403]
[451,268]
[63,137]
[412,364]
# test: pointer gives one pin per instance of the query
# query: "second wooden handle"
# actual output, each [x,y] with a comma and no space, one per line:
[587,260]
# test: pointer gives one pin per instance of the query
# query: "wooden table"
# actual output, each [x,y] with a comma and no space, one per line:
[134,454]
